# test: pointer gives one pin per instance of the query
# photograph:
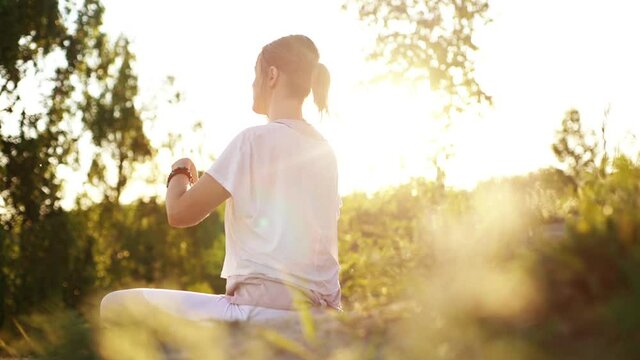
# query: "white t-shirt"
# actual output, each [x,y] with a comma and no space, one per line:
[281,218]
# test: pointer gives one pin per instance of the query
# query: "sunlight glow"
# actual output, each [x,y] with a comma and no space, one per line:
[383,133]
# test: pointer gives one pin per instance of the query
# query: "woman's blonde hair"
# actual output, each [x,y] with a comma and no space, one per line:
[298,57]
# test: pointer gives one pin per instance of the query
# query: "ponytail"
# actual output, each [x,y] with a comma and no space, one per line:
[320,81]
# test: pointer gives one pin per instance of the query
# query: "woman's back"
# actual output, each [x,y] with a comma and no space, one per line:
[281,218]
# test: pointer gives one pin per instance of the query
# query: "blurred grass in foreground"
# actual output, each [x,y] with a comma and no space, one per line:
[427,273]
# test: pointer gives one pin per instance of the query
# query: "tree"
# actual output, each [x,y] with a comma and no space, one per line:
[89,82]
[574,148]
[31,151]
[429,39]
[116,124]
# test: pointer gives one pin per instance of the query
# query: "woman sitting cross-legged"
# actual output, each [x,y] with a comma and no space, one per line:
[279,182]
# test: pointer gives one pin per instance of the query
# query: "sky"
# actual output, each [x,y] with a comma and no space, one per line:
[537,59]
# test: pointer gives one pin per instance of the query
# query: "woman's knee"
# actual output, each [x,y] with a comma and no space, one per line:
[120,303]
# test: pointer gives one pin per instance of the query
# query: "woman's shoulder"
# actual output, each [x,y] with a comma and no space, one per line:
[253,133]
[262,131]
[248,133]
[257,130]
[274,132]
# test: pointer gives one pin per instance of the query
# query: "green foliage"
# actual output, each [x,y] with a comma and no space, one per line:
[91,82]
[116,123]
[28,27]
[592,277]
[380,242]
[431,40]
[134,245]
[56,332]
[575,148]
[466,274]
[545,193]
[495,283]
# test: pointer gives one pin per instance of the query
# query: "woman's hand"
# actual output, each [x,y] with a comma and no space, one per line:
[186,162]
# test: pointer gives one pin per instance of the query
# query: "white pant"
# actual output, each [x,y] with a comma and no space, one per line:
[188,305]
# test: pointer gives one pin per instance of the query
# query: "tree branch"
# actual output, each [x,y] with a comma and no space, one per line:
[4,87]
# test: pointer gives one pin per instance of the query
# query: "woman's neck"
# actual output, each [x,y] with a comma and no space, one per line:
[285,109]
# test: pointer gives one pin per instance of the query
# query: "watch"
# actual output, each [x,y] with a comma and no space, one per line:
[180,170]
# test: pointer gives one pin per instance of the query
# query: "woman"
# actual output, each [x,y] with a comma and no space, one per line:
[280,184]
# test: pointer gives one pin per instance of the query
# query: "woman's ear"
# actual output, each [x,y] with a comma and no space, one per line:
[273,76]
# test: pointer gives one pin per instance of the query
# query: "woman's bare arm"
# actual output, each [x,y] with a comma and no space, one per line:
[188,206]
